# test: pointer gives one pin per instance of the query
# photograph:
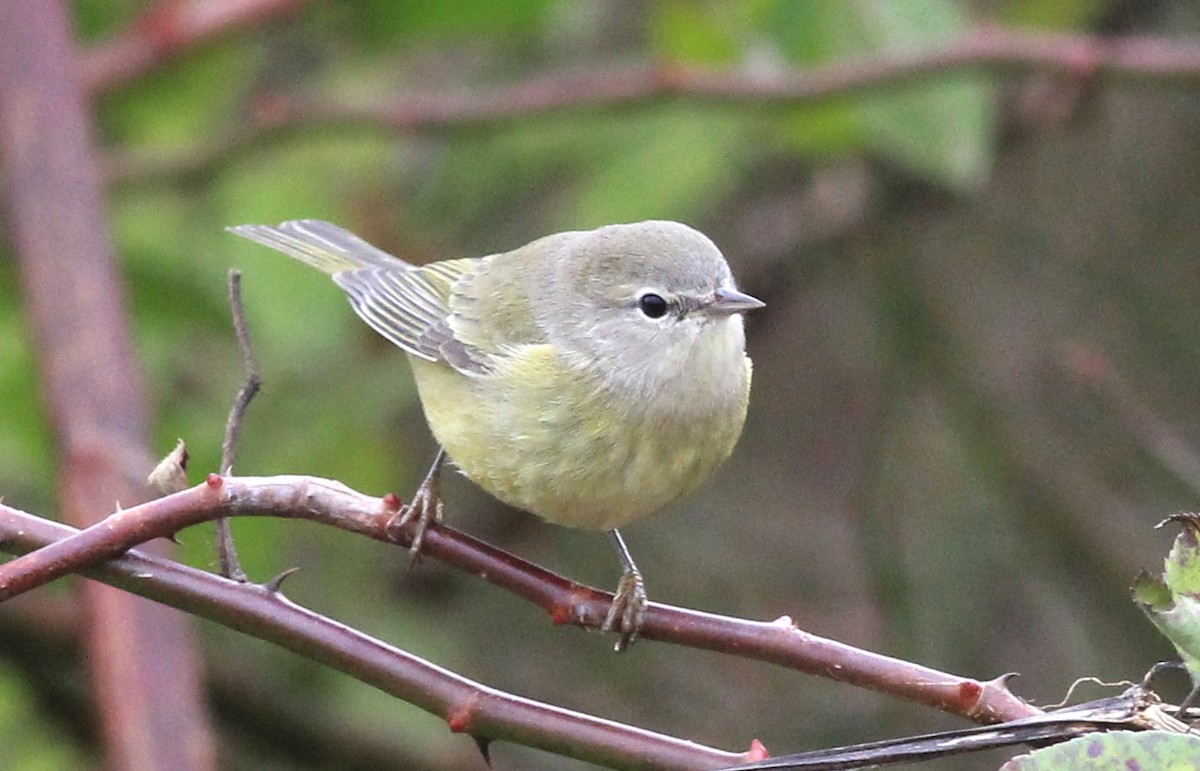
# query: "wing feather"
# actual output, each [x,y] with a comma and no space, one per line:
[412,309]
[410,306]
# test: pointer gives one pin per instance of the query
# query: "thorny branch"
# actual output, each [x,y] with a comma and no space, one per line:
[467,706]
[778,642]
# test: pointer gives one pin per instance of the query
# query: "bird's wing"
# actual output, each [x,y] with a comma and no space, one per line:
[461,312]
[412,308]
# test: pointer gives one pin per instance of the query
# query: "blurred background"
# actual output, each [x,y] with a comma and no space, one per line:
[975,379]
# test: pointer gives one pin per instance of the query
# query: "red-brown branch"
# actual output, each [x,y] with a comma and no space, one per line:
[332,503]
[467,706]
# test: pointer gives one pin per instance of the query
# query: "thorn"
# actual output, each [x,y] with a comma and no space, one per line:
[462,716]
[484,745]
[757,751]
[275,583]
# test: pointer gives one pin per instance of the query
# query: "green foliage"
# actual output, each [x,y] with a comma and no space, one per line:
[96,18]
[1115,750]
[25,441]
[29,742]
[669,164]
[941,128]
[1062,14]
[387,23]
[712,33]
[1173,603]
[179,105]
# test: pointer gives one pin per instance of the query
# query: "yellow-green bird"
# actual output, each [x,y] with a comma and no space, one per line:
[589,377]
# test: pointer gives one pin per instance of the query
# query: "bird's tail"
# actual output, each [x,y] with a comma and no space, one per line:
[320,244]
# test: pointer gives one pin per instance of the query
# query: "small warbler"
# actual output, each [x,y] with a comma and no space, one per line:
[588,377]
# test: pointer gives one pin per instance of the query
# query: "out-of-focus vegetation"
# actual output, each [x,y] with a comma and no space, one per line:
[975,382]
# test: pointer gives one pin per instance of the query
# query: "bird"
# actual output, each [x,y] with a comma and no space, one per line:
[589,377]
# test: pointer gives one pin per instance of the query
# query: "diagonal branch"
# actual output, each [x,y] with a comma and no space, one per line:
[332,503]
[467,706]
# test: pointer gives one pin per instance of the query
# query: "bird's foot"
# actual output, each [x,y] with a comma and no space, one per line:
[628,610]
[424,509]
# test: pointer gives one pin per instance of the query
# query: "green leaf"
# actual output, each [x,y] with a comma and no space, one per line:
[670,164]
[25,437]
[1061,14]
[31,738]
[190,101]
[1173,604]
[943,131]
[1181,570]
[941,127]
[711,33]
[1116,750]
[1151,592]
[388,24]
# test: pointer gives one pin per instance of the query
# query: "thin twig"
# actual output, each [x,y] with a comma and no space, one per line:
[253,381]
[231,566]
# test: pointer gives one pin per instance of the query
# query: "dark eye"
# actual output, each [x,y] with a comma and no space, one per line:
[654,306]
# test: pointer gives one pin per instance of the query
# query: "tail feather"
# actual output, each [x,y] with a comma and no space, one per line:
[321,244]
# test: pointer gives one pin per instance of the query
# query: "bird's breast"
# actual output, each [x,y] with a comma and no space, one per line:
[555,440]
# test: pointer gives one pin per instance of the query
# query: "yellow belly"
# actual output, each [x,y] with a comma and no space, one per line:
[556,443]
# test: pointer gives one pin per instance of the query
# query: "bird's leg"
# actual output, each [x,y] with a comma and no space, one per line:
[425,507]
[628,609]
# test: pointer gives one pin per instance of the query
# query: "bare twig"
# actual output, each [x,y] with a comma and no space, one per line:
[467,706]
[778,642]
[985,49]
[231,566]
[253,382]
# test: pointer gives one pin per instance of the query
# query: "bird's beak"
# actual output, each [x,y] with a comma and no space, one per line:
[726,302]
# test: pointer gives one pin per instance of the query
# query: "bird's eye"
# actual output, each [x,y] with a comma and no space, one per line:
[653,305]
